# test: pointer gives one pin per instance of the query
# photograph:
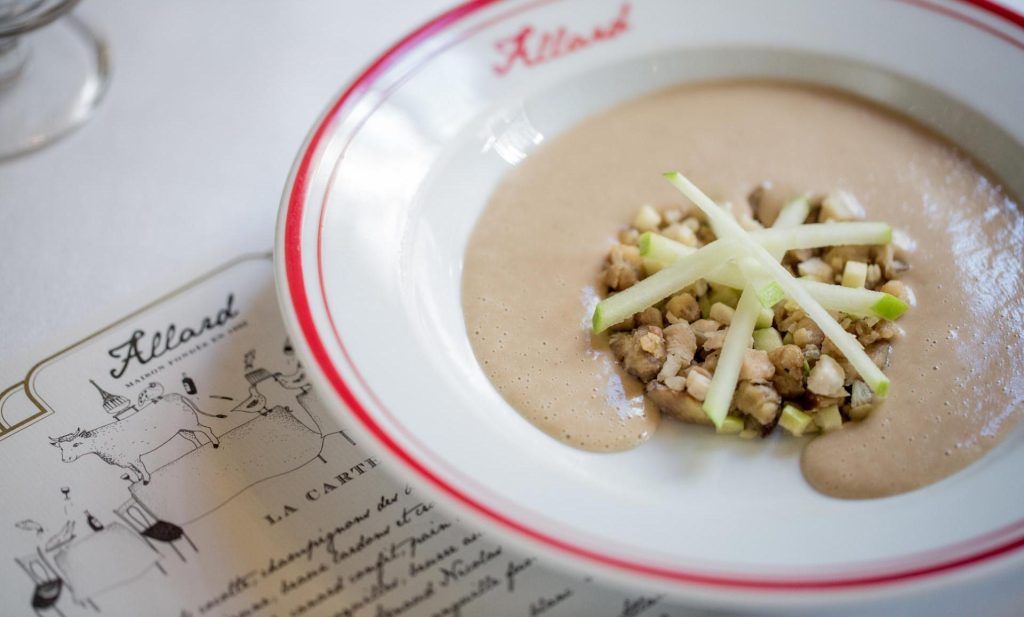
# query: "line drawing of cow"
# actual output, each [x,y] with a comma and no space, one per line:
[123,442]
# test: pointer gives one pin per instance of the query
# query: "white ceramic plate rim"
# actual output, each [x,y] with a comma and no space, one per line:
[298,310]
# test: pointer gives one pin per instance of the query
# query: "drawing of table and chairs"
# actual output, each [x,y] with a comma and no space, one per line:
[87,567]
[48,584]
[153,529]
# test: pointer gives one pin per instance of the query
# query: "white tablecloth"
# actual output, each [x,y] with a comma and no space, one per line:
[183,166]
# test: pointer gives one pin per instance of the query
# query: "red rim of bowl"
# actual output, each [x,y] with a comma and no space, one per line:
[300,303]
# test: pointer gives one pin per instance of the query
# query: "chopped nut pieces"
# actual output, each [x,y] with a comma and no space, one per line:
[625,267]
[682,307]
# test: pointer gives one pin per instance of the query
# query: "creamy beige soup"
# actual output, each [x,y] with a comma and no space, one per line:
[530,279]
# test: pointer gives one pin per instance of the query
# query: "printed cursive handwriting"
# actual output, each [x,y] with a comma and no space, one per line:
[427,564]
[306,551]
[423,537]
[254,608]
[325,594]
[414,511]
[483,585]
[529,47]
[374,594]
[513,570]
[460,568]
[289,585]
[162,342]
[386,501]
[631,607]
[341,553]
[377,566]
[236,586]
[542,604]
[407,604]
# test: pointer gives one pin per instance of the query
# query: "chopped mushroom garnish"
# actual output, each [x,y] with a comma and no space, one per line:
[641,351]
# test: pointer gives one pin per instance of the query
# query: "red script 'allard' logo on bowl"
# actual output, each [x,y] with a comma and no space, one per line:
[529,47]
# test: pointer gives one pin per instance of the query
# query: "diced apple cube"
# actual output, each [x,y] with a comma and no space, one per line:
[794,420]
[855,274]
[647,218]
[828,418]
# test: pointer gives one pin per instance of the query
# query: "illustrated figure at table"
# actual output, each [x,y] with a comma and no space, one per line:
[297,378]
[269,389]
[123,442]
[288,390]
